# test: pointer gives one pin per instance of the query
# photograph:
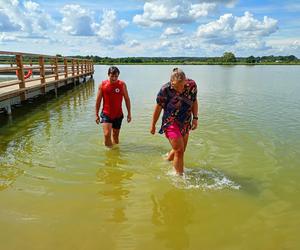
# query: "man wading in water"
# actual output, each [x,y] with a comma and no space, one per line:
[112,92]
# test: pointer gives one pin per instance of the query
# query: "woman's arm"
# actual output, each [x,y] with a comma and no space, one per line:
[195,115]
[156,114]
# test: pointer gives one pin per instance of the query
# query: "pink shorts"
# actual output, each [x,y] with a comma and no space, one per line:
[173,131]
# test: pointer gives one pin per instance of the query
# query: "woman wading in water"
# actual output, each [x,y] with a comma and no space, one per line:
[178,99]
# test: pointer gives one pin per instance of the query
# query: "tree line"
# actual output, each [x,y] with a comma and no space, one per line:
[227,58]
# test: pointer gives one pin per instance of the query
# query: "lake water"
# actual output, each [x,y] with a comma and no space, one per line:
[61,189]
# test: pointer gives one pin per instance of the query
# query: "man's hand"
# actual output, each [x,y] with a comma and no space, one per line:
[97,119]
[194,124]
[152,130]
[128,118]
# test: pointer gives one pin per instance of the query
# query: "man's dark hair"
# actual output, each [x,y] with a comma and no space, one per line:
[113,70]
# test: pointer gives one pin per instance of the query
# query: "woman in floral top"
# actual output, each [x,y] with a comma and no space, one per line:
[178,99]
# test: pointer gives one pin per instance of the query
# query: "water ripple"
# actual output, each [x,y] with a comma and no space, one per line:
[202,179]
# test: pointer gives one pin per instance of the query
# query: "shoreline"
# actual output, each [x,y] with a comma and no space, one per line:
[179,63]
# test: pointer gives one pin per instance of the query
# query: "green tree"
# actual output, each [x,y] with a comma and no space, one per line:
[228,57]
[250,59]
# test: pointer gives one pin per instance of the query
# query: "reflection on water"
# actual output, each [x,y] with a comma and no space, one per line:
[171,215]
[245,149]
[27,135]
[114,178]
[8,175]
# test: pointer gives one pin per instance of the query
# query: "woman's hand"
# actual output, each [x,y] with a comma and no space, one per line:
[152,130]
[194,124]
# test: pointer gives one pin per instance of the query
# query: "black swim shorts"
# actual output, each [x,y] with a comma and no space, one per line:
[116,123]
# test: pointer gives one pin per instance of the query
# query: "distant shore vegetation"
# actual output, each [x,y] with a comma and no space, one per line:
[228,58]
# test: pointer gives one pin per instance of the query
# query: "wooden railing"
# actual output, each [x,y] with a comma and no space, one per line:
[45,69]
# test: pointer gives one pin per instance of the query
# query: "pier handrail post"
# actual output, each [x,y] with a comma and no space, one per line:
[73,67]
[56,68]
[19,62]
[85,66]
[77,66]
[66,67]
[42,72]
[81,62]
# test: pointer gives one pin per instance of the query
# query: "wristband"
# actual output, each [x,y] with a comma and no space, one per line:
[195,117]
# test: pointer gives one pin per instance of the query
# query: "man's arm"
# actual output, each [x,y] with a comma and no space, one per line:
[127,102]
[195,115]
[98,103]
[156,114]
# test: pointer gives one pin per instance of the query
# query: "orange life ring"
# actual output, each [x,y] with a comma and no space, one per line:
[27,75]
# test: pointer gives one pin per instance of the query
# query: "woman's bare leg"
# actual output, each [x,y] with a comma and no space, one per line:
[178,148]
[171,153]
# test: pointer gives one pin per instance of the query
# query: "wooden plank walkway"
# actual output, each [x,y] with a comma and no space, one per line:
[43,74]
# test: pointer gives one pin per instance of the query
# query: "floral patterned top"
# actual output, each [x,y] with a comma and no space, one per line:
[177,106]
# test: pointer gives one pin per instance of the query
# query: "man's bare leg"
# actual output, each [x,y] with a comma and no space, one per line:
[107,127]
[115,136]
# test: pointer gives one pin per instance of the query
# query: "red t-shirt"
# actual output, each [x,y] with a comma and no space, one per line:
[112,98]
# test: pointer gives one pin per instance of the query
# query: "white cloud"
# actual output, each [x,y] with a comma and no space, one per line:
[76,20]
[27,17]
[7,38]
[200,10]
[111,29]
[157,12]
[133,43]
[231,30]
[6,24]
[161,45]
[29,5]
[123,23]
[286,46]
[253,27]
[142,20]
[172,31]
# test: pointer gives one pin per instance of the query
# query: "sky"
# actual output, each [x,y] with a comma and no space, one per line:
[164,28]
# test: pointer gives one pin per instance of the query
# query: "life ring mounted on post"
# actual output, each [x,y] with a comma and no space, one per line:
[28,74]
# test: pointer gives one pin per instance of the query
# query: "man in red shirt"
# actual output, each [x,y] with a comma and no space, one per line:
[112,92]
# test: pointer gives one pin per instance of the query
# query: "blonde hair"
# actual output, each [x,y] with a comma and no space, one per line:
[177,75]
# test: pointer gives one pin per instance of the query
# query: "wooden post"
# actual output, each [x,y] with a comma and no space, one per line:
[56,75]
[56,68]
[19,62]
[85,66]
[73,67]
[81,62]
[8,109]
[66,67]
[77,66]
[42,73]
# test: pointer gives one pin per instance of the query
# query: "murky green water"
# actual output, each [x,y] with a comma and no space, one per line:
[61,189]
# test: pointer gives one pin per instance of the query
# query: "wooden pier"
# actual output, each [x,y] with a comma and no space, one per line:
[38,74]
